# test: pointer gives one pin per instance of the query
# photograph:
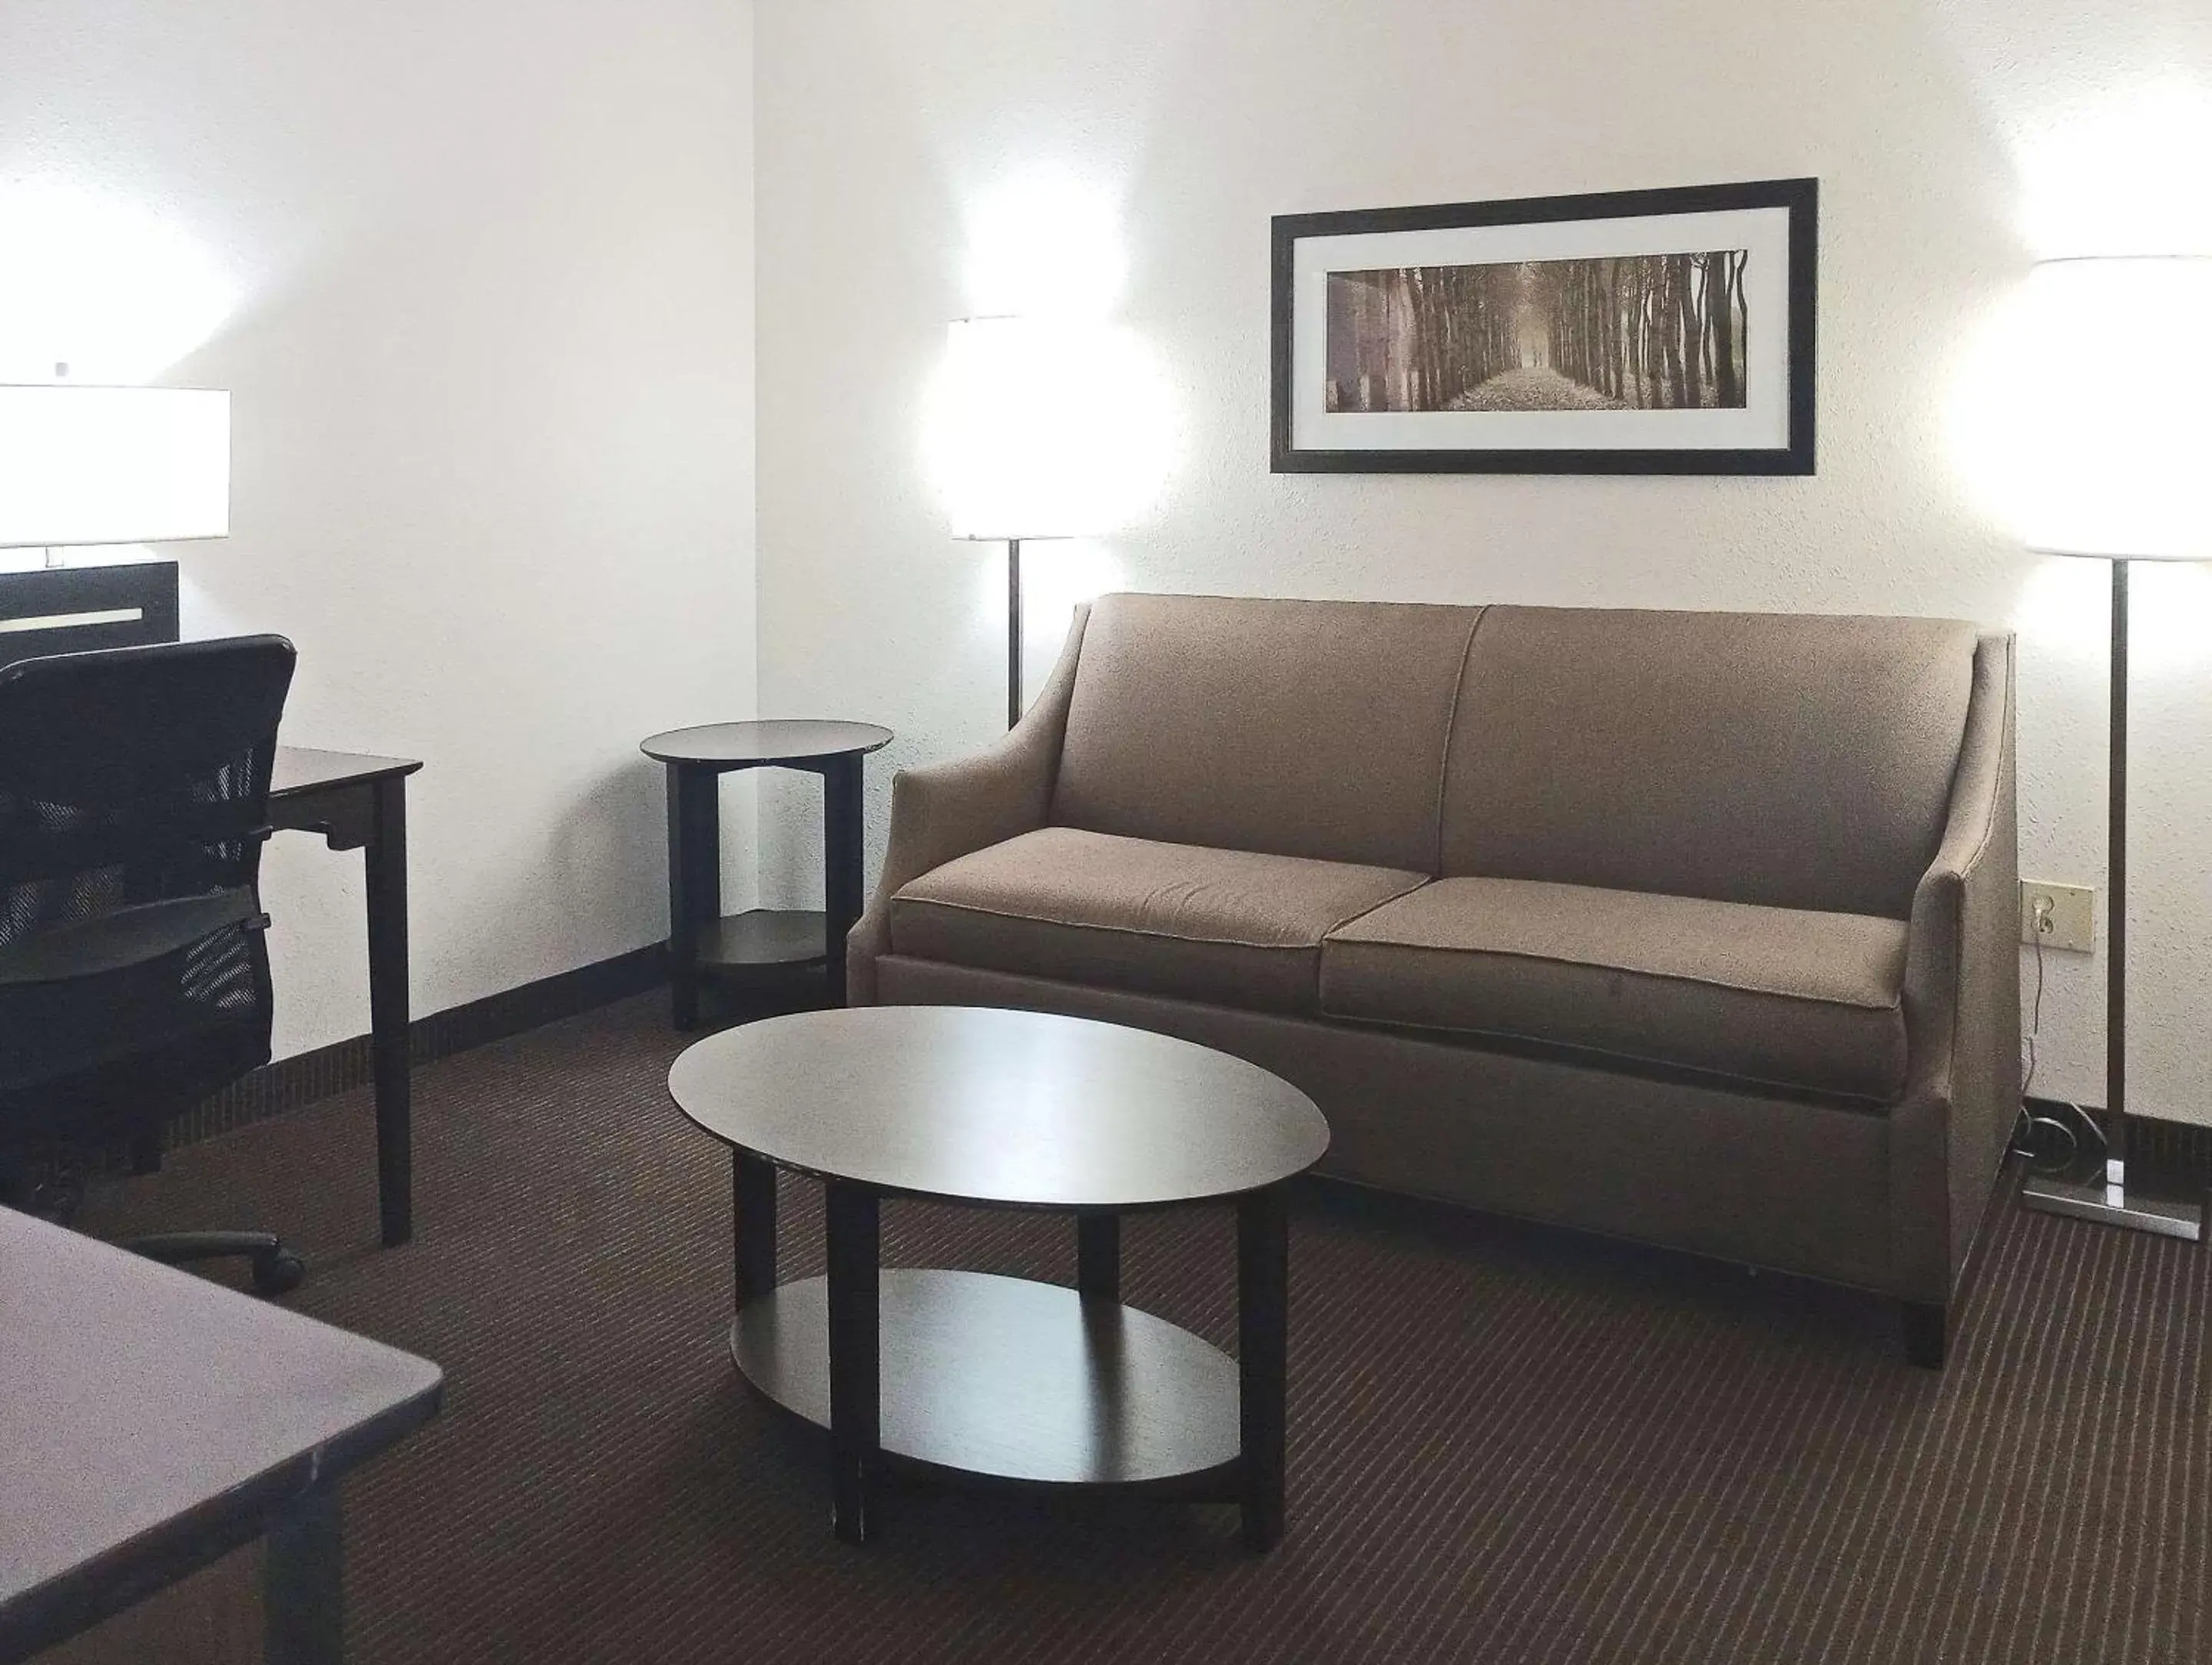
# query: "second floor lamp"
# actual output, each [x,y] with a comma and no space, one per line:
[2123,357]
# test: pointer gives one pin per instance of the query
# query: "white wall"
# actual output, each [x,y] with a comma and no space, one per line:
[478,274]
[1954,141]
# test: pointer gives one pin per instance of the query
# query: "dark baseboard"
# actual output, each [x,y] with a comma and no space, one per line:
[287,1084]
[2174,1149]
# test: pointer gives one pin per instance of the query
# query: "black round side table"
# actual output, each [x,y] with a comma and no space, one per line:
[701,941]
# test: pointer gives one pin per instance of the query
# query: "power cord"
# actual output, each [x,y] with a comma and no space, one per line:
[2052,1143]
[2035,1019]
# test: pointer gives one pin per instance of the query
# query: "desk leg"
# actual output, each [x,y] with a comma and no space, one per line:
[302,1582]
[384,855]
[841,862]
[855,1355]
[695,881]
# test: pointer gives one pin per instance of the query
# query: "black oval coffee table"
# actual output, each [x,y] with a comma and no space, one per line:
[966,1375]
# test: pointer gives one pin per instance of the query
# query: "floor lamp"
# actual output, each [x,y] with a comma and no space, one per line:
[2124,351]
[1019,438]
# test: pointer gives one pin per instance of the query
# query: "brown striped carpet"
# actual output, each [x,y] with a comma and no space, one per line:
[1507,1444]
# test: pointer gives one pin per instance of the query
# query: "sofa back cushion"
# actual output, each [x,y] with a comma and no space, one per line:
[1787,760]
[1306,728]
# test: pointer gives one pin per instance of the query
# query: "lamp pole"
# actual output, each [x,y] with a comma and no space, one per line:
[2107,1199]
[1013,631]
[2116,864]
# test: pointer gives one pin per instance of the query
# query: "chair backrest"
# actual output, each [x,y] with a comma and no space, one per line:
[132,781]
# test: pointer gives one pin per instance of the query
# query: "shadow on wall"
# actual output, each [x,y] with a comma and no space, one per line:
[95,282]
[604,846]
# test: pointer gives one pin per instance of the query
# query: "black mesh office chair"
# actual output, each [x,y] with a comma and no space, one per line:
[134,976]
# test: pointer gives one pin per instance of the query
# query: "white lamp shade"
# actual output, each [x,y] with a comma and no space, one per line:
[112,465]
[1043,427]
[2122,385]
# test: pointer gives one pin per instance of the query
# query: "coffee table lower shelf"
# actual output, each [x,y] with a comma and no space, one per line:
[1006,1380]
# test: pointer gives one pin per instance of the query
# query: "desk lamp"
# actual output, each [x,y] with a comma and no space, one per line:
[84,465]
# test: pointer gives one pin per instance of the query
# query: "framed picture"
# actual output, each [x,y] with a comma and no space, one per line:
[1625,332]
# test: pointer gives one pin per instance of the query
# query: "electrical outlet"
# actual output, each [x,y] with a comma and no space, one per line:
[2059,915]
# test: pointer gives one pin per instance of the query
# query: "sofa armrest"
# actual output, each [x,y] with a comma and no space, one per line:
[1961,1002]
[942,811]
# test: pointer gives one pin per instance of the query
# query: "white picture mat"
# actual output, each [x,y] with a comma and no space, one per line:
[1763,423]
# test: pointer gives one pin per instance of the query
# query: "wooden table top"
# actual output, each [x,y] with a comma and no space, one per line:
[304,769]
[144,1411]
[1004,1108]
[778,741]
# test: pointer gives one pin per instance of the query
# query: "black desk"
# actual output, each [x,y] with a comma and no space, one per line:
[700,939]
[356,802]
[359,803]
[151,1421]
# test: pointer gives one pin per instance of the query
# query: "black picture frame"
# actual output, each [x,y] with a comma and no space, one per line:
[1800,196]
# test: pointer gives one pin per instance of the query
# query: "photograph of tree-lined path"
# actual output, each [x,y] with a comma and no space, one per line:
[1631,333]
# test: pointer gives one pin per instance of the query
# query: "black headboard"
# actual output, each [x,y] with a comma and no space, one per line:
[69,610]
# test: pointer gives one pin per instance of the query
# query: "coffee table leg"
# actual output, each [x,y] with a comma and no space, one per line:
[752,1189]
[1099,1256]
[1263,1330]
[856,1387]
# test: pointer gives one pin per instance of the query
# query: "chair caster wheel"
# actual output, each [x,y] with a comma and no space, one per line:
[278,1271]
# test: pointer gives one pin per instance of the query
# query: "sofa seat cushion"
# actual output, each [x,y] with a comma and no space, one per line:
[1770,995]
[1226,926]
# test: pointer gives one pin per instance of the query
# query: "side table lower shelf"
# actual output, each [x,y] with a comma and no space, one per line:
[762,937]
[1004,1379]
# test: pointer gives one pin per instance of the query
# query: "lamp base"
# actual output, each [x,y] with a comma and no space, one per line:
[2110,1203]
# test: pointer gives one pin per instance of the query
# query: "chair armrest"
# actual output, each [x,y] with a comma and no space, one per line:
[127,938]
[1961,1002]
[944,811]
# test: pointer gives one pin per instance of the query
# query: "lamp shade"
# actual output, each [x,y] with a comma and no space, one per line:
[112,465]
[1042,427]
[2122,429]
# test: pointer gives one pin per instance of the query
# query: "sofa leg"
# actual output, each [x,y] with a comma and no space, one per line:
[1925,1326]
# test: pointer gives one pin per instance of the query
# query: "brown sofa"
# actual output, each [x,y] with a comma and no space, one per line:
[1695,928]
